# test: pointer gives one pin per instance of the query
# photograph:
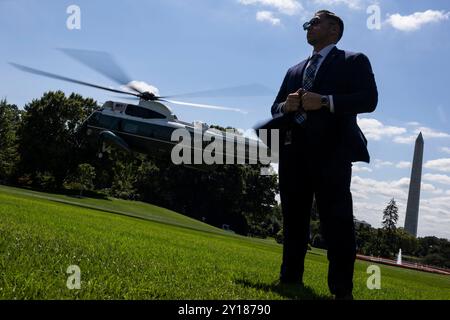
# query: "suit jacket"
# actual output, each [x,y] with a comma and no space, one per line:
[348,77]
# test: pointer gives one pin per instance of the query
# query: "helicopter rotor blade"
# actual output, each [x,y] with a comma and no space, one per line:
[103,63]
[206,106]
[67,79]
[190,104]
[248,90]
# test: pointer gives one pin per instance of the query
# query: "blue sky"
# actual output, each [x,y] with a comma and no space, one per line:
[182,46]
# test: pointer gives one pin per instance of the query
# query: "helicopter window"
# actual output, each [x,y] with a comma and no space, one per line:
[130,127]
[146,130]
[143,113]
[108,122]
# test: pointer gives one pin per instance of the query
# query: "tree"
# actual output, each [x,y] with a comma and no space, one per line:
[364,235]
[314,210]
[259,206]
[279,237]
[10,119]
[124,176]
[434,251]
[377,246]
[48,135]
[318,241]
[84,178]
[390,216]
[45,180]
[407,242]
[436,260]
[147,182]
[427,245]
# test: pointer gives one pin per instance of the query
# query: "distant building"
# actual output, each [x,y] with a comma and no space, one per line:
[361,224]
[412,207]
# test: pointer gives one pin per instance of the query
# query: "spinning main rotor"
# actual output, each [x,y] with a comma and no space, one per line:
[105,64]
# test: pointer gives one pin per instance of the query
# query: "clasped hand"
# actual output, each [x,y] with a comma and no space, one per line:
[302,99]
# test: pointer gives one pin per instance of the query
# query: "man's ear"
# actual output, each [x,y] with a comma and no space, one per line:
[334,30]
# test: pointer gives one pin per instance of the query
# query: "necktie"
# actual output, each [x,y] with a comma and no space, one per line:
[308,82]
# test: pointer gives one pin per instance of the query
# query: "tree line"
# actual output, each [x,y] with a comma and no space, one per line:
[41,148]
[387,240]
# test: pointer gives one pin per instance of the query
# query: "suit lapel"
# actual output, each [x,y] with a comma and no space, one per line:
[324,66]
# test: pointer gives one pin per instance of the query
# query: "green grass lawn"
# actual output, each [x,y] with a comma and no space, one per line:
[132,250]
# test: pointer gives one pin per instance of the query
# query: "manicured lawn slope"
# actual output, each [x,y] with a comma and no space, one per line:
[132,250]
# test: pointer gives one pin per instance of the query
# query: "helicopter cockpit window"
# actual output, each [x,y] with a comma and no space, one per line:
[118,107]
[144,113]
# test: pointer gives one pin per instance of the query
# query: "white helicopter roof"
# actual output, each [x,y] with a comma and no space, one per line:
[151,105]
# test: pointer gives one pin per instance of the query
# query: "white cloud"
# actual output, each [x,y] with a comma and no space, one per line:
[429,133]
[442,202]
[371,197]
[357,168]
[288,7]
[405,139]
[403,165]
[438,178]
[375,130]
[434,217]
[438,164]
[267,16]
[352,4]
[359,195]
[380,163]
[397,188]
[274,167]
[416,20]
[368,211]
[445,149]
[439,192]
[430,188]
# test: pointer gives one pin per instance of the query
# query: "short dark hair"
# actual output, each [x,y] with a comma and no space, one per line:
[332,16]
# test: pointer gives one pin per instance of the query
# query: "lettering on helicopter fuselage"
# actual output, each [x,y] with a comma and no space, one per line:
[223,148]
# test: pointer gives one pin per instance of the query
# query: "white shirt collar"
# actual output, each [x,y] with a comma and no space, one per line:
[325,51]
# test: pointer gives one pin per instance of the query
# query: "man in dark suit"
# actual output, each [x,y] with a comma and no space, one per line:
[315,111]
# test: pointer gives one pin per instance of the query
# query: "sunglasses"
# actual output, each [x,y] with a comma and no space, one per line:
[314,21]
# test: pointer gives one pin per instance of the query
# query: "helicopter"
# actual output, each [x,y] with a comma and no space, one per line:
[148,125]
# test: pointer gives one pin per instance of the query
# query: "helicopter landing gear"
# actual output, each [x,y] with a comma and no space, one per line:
[104,148]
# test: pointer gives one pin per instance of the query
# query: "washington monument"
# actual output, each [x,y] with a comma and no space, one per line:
[412,208]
